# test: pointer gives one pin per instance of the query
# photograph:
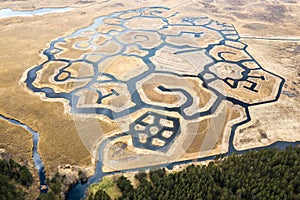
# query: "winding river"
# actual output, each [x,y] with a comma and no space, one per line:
[38,162]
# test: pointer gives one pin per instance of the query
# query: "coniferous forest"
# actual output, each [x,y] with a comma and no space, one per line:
[265,174]
[13,179]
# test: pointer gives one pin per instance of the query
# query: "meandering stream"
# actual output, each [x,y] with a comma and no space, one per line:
[38,162]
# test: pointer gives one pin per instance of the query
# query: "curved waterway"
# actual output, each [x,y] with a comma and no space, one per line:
[7,12]
[38,163]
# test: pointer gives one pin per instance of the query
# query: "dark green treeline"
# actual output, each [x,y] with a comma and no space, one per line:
[265,174]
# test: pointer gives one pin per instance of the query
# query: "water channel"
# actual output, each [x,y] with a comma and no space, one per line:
[38,162]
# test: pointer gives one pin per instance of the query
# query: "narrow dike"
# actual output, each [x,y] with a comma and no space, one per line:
[38,163]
